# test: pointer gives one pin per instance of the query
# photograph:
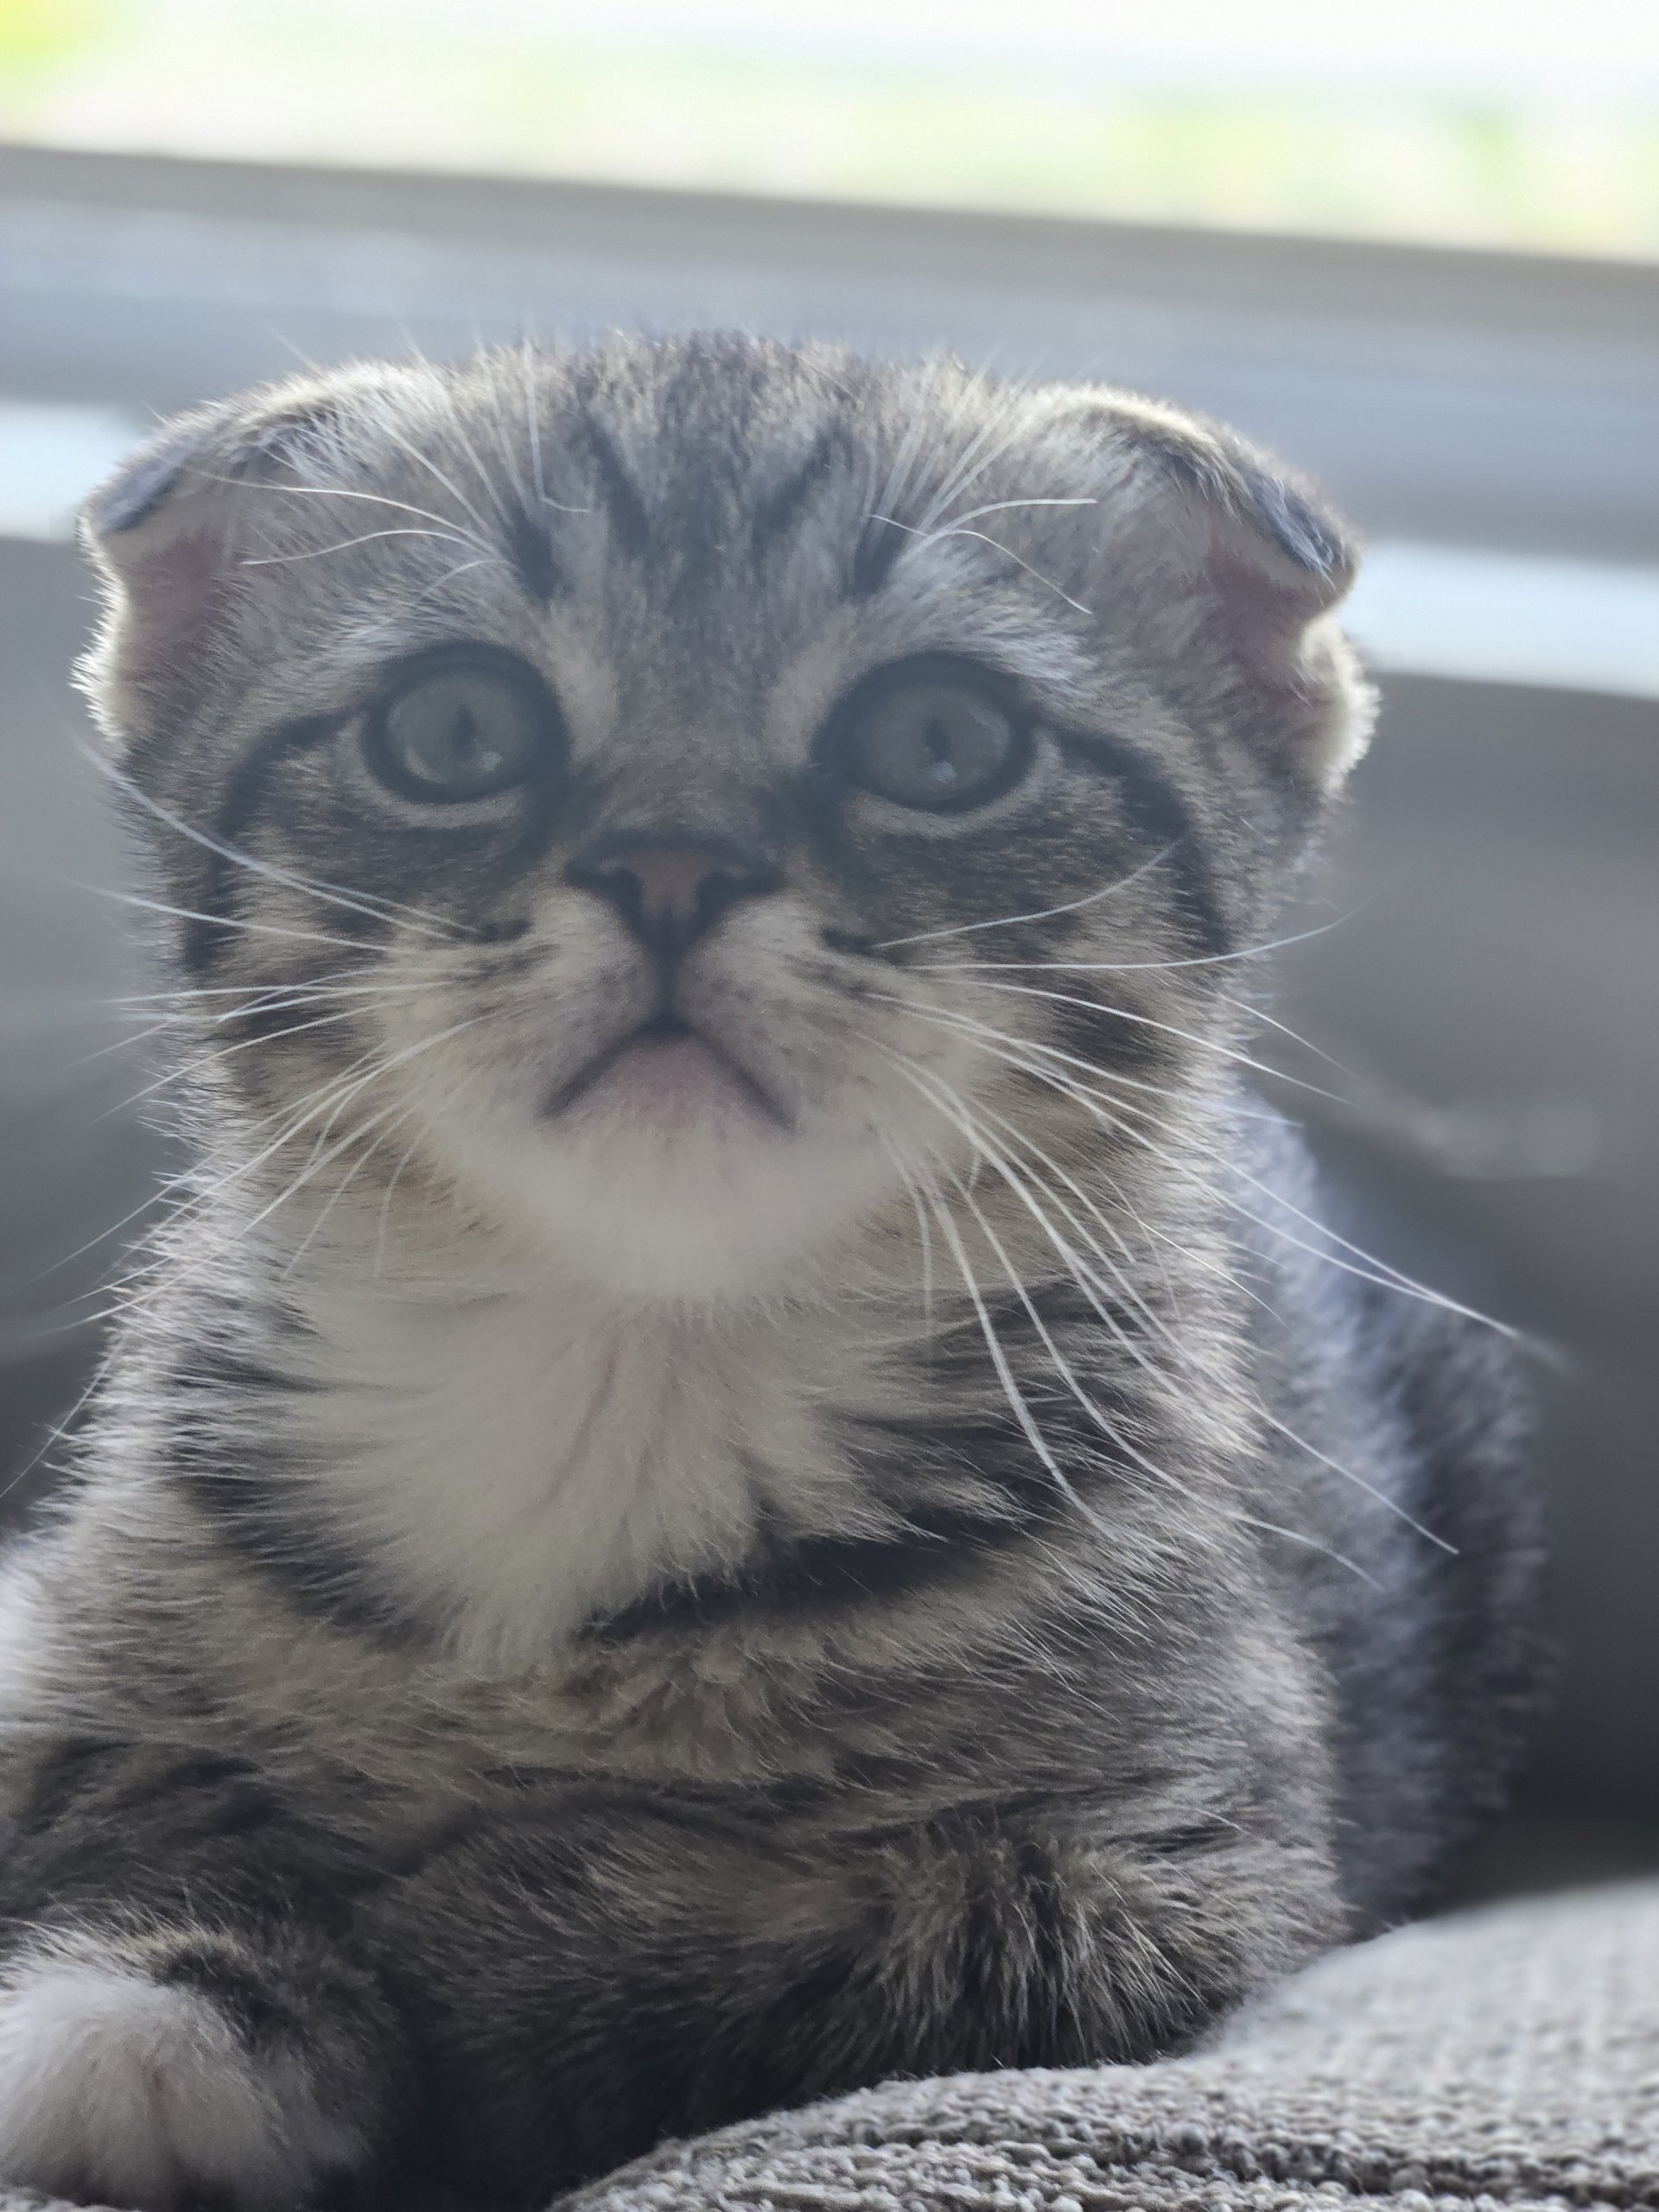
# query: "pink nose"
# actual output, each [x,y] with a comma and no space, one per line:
[670,895]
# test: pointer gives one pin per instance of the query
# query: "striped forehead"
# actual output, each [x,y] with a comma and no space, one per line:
[693,509]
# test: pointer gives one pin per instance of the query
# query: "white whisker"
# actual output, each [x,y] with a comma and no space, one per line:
[1203,1375]
[400,1115]
[1168,1028]
[941,1097]
[368,904]
[374,499]
[483,542]
[222,1052]
[1137,967]
[345,544]
[1011,921]
[968,1025]
[1249,1008]
[976,459]
[217,921]
[958,524]
[938,537]
[1374,1271]
[1005,1375]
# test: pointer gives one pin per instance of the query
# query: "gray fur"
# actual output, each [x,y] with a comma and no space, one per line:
[569,1627]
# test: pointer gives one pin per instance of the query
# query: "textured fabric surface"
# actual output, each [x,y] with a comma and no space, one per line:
[1505,2058]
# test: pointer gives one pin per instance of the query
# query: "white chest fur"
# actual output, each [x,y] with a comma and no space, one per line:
[515,1461]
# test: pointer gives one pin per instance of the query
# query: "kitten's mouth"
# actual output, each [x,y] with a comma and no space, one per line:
[668,1073]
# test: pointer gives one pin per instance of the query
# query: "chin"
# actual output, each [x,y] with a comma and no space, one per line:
[712,1211]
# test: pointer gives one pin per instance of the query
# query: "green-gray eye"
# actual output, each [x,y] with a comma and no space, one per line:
[461,728]
[933,733]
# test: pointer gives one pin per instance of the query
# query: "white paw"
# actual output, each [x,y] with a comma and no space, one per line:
[120,2089]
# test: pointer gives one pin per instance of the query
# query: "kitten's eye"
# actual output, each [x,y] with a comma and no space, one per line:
[462,730]
[931,734]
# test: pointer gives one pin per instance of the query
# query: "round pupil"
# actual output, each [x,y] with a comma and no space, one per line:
[459,734]
[936,744]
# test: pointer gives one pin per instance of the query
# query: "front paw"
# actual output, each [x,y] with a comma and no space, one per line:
[168,2072]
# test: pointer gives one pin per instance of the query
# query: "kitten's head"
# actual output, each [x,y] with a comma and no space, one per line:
[681,797]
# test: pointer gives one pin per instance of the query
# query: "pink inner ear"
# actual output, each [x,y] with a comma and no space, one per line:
[171,593]
[1265,608]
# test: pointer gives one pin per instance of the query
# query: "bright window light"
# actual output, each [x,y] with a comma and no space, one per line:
[1473,122]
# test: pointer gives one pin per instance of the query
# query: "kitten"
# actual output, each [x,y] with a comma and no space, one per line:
[742,1468]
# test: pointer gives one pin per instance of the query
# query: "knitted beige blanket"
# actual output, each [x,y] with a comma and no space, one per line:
[1507,2058]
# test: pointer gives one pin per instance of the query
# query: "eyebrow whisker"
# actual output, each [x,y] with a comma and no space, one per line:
[938,537]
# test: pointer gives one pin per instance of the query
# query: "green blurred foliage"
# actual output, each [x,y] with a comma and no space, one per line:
[39,36]
[284,79]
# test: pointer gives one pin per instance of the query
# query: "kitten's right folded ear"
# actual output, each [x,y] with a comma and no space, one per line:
[160,533]
[170,531]
[147,480]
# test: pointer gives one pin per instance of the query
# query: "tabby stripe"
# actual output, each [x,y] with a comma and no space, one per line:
[258,1517]
[529,545]
[1163,821]
[253,1500]
[783,509]
[630,522]
[204,937]
[879,546]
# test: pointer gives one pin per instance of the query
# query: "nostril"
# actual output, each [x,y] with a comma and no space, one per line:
[716,893]
[622,888]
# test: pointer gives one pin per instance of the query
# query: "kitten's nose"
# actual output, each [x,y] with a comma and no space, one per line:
[670,895]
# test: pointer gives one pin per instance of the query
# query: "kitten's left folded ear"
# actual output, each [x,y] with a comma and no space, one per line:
[1256,561]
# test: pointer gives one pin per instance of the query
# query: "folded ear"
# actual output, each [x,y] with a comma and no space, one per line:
[170,531]
[1256,560]
[159,532]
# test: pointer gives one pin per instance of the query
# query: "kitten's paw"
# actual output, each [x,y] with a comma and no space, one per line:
[165,2073]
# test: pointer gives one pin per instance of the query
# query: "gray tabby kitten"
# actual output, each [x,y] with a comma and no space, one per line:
[742,1468]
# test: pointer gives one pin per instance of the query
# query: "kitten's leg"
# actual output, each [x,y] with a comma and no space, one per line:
[180,2022]
[593,1978]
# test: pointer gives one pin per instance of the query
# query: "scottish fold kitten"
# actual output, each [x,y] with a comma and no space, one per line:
[742,1466]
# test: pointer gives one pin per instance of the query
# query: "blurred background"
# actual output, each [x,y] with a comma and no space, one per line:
[1415,249]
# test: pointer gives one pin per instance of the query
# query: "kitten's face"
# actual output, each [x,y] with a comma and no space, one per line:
[614,780]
